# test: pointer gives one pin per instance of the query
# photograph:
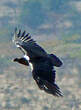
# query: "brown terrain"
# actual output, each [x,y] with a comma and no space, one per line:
[58,32]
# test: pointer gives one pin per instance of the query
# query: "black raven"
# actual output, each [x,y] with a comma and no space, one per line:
[41,63]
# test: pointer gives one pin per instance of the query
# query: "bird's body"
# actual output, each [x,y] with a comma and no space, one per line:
[41,63]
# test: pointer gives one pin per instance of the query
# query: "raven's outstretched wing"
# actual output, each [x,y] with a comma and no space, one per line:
[50,88]
[28,45]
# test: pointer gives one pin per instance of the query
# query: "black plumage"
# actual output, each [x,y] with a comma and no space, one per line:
[42,63]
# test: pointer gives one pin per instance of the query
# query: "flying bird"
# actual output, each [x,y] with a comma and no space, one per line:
[41,63]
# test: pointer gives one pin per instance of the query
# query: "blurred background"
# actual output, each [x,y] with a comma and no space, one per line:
[56,26]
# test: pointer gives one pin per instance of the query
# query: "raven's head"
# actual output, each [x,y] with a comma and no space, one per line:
[21,61]
[16,60]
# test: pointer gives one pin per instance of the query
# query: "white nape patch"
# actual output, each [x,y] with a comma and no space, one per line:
[31,66]
[26,57]
[18,46]
[45,87]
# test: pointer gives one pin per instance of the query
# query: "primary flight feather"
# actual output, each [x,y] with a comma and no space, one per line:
[41,63]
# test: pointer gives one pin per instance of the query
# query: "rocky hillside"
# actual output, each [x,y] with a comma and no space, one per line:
[55,25]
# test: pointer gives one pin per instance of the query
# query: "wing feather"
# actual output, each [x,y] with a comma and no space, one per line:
[28,45]
[23,35]
[19,33]
[26,37]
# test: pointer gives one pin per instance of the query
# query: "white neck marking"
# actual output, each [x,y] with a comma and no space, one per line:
[26,57]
